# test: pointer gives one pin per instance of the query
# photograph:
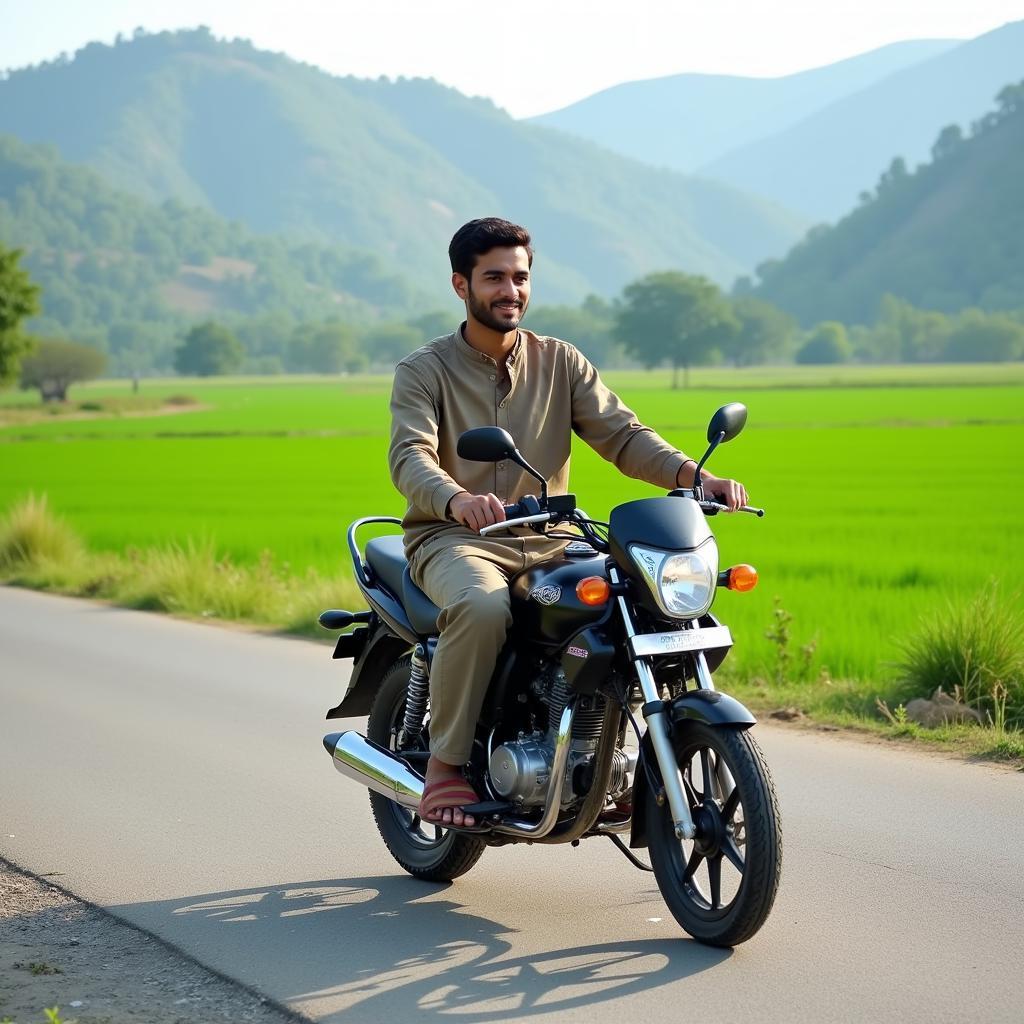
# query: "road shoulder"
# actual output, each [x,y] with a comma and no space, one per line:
[56,950]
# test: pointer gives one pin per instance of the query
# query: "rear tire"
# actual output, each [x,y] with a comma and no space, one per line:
[423,849]
[721,886]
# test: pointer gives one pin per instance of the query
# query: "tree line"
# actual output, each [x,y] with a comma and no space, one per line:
[666,318]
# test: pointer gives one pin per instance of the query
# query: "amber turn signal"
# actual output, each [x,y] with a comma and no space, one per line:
[593,590]
[742,578]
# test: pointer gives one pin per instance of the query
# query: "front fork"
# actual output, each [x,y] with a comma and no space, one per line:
[658,727]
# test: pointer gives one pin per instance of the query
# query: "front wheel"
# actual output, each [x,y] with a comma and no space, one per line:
[424,849]
[721,885]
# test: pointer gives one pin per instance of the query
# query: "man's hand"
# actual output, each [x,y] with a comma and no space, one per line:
[476,510]
[726,492]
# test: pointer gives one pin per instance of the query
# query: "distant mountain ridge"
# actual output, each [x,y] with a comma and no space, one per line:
[392,168]
[812,141]
[948,236]
[822,164]
[687,121]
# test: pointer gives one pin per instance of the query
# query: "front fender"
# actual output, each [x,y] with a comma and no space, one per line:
[710,707]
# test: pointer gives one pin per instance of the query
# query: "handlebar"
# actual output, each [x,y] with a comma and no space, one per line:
[540,517]
[712,508]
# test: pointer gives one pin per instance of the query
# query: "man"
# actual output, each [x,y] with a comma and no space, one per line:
[490,372]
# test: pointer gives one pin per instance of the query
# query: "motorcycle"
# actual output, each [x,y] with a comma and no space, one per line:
[619,624]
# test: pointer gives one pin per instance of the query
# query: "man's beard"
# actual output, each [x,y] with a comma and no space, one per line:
[490,319]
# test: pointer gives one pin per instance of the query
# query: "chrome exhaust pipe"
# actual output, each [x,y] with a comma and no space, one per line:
[363,760]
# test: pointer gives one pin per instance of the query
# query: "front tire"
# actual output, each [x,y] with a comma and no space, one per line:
[423,849]
[721,885]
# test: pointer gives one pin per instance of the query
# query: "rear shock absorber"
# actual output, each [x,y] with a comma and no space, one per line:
[416,697]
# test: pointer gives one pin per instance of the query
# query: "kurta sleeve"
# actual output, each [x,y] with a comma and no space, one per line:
[412,456]
[611,428]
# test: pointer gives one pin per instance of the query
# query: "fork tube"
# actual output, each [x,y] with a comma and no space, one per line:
[658,730]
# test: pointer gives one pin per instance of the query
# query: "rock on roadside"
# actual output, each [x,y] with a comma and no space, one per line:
[58,951]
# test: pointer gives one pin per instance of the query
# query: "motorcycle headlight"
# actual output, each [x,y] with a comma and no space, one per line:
[683,583]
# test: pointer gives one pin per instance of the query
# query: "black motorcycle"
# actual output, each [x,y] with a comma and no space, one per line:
[619,625]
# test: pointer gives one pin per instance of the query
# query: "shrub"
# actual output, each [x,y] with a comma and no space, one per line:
[976,646]
[31,534]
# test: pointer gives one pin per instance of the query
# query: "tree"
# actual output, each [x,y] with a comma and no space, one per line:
[324,348]
[827,344]
[209,350]
[54,365]
[19,298]
[764,331]
[674,317]
[588,327]
[435,324]
[391,342]
[981,338]
[950,139]
[909,334]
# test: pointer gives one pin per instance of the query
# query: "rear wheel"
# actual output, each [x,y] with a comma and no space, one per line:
[422,848]
[721,885]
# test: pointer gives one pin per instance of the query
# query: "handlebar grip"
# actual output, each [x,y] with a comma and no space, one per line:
[513,511]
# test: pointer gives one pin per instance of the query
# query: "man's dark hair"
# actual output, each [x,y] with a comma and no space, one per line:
[483,235]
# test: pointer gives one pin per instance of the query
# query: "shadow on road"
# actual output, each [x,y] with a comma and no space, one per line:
[383,948]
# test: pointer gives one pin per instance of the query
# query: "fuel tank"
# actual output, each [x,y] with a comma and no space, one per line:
[545,608]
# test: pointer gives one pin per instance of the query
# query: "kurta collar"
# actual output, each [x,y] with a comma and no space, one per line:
[476,357]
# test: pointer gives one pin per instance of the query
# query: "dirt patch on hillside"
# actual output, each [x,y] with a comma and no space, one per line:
[57,951]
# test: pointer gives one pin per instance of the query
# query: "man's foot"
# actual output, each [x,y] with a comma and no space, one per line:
[445,794]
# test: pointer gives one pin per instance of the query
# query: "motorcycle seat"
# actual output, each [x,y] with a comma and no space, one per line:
[386,556]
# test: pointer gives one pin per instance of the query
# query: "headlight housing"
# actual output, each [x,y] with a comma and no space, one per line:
[682,582]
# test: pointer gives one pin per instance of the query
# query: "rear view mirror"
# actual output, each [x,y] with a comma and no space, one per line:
[729,421]
[486,444]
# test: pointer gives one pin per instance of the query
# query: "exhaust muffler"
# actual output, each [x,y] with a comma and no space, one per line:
[378,769]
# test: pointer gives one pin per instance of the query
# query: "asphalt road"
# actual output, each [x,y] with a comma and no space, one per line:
[174,774]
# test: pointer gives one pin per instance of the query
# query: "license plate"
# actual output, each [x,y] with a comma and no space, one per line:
[647,644]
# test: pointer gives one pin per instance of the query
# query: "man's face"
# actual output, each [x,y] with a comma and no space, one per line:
[498,291]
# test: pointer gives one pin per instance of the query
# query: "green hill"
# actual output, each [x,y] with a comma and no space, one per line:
[106,259]
[389,167]
[947,236]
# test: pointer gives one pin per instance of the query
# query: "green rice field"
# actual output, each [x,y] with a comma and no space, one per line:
[888,490]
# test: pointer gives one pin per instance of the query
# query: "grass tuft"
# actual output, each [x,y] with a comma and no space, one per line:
[975,647]
[31,534]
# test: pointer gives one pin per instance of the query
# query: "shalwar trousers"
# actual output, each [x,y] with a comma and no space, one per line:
[467,576]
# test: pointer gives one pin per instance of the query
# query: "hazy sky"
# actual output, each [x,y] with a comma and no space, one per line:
[529,56]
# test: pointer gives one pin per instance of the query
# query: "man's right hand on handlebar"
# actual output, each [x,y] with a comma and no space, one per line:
[476,510]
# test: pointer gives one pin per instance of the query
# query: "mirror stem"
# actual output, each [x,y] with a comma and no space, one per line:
[700,465]
[519,460]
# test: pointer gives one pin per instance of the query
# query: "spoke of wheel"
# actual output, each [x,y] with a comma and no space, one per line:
[691,793]
[730,805]
[705,766]
[692,865]
[731,851]
[715,877]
